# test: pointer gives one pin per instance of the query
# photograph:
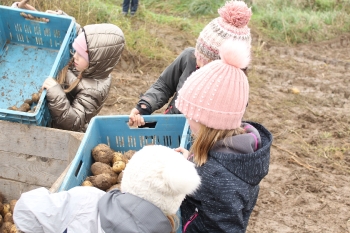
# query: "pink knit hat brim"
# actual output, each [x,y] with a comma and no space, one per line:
[216,96]
[80,46]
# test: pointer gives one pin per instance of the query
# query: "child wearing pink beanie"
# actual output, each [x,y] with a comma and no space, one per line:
[231,156]
[232,23]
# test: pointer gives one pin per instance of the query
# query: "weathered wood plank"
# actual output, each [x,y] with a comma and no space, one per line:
[13,189]
[38,141]
[30,169]
[33,156]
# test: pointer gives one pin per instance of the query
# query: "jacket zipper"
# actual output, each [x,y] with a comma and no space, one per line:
[194,215]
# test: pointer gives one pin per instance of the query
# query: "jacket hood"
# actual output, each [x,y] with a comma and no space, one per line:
[241,158]
[105,43]
[40,211]
[124,212]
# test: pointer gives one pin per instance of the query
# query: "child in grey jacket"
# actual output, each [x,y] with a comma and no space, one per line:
[155,182]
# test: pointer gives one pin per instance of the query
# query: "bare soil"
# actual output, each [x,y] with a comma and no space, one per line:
[307,188]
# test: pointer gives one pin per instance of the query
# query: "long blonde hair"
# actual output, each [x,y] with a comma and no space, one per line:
[174,222]
[206,138]
[61,77]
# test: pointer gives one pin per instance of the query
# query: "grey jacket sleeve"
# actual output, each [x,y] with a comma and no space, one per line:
[170,81]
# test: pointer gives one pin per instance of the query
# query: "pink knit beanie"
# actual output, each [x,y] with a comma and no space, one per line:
[216,95]
[232,23]
[80,46]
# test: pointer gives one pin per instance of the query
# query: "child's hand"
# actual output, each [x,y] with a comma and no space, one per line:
[135,119]
[48,83]
[184,152]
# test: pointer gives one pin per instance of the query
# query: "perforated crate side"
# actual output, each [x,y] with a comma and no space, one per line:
[57,35]
[114,131]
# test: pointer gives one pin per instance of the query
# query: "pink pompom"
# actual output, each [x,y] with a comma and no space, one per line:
[236,13]
[235,53]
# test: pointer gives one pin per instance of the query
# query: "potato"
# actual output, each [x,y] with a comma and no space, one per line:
[1,221]
[102,153]
[6,227]
[14,108]
[118,166]
[8,218]
[117,156]
[86,183]
[294,90]
[129,154]
[6,209]
[35,97]
[13,229]
[12,205]
[25,107]
[2,198]
[98,168]
[116,186]
[28,101]
[103,181]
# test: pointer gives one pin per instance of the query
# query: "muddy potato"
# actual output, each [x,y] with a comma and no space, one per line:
[117,156]
[118,166]
[12,205]
[35,97]
[99,168]
[86,183]
[6,209]
[14,108]
[1,221]
[129,154]
[6,227]
[28,101]
[13,229]
[116,186]
[103,181]
[8,218]
[102,153]
[25,107]
[2,198]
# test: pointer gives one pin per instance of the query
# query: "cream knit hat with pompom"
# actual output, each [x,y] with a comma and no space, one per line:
[232,24]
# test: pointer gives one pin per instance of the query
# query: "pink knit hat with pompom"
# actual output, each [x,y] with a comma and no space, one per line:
[80,46]
[216,95]
[232,23]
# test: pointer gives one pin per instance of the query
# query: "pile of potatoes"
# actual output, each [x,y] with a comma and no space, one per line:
[108,167]
[26,106]
[6,220]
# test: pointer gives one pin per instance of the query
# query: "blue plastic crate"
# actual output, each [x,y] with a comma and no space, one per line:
[30,51]
[115,132]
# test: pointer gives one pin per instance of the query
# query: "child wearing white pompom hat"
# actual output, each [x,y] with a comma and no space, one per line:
[155,182]
[232,156]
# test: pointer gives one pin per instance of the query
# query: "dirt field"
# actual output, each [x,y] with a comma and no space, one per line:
[308,185]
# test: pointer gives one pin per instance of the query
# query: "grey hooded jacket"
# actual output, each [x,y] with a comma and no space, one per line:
[229,183]
[124,212]
[74,110]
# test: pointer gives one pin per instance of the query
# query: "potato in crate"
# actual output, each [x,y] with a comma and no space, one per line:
[166,130]
[33,46]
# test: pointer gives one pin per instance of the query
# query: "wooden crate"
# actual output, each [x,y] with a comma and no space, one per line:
[33,156]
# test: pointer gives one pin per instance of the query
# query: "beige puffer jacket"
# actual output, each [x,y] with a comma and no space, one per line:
[74,110]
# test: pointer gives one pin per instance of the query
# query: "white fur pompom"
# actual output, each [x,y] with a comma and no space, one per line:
[235,53]
[181,175]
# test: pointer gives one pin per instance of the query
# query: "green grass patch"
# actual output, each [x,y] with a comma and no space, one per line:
[301,21]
